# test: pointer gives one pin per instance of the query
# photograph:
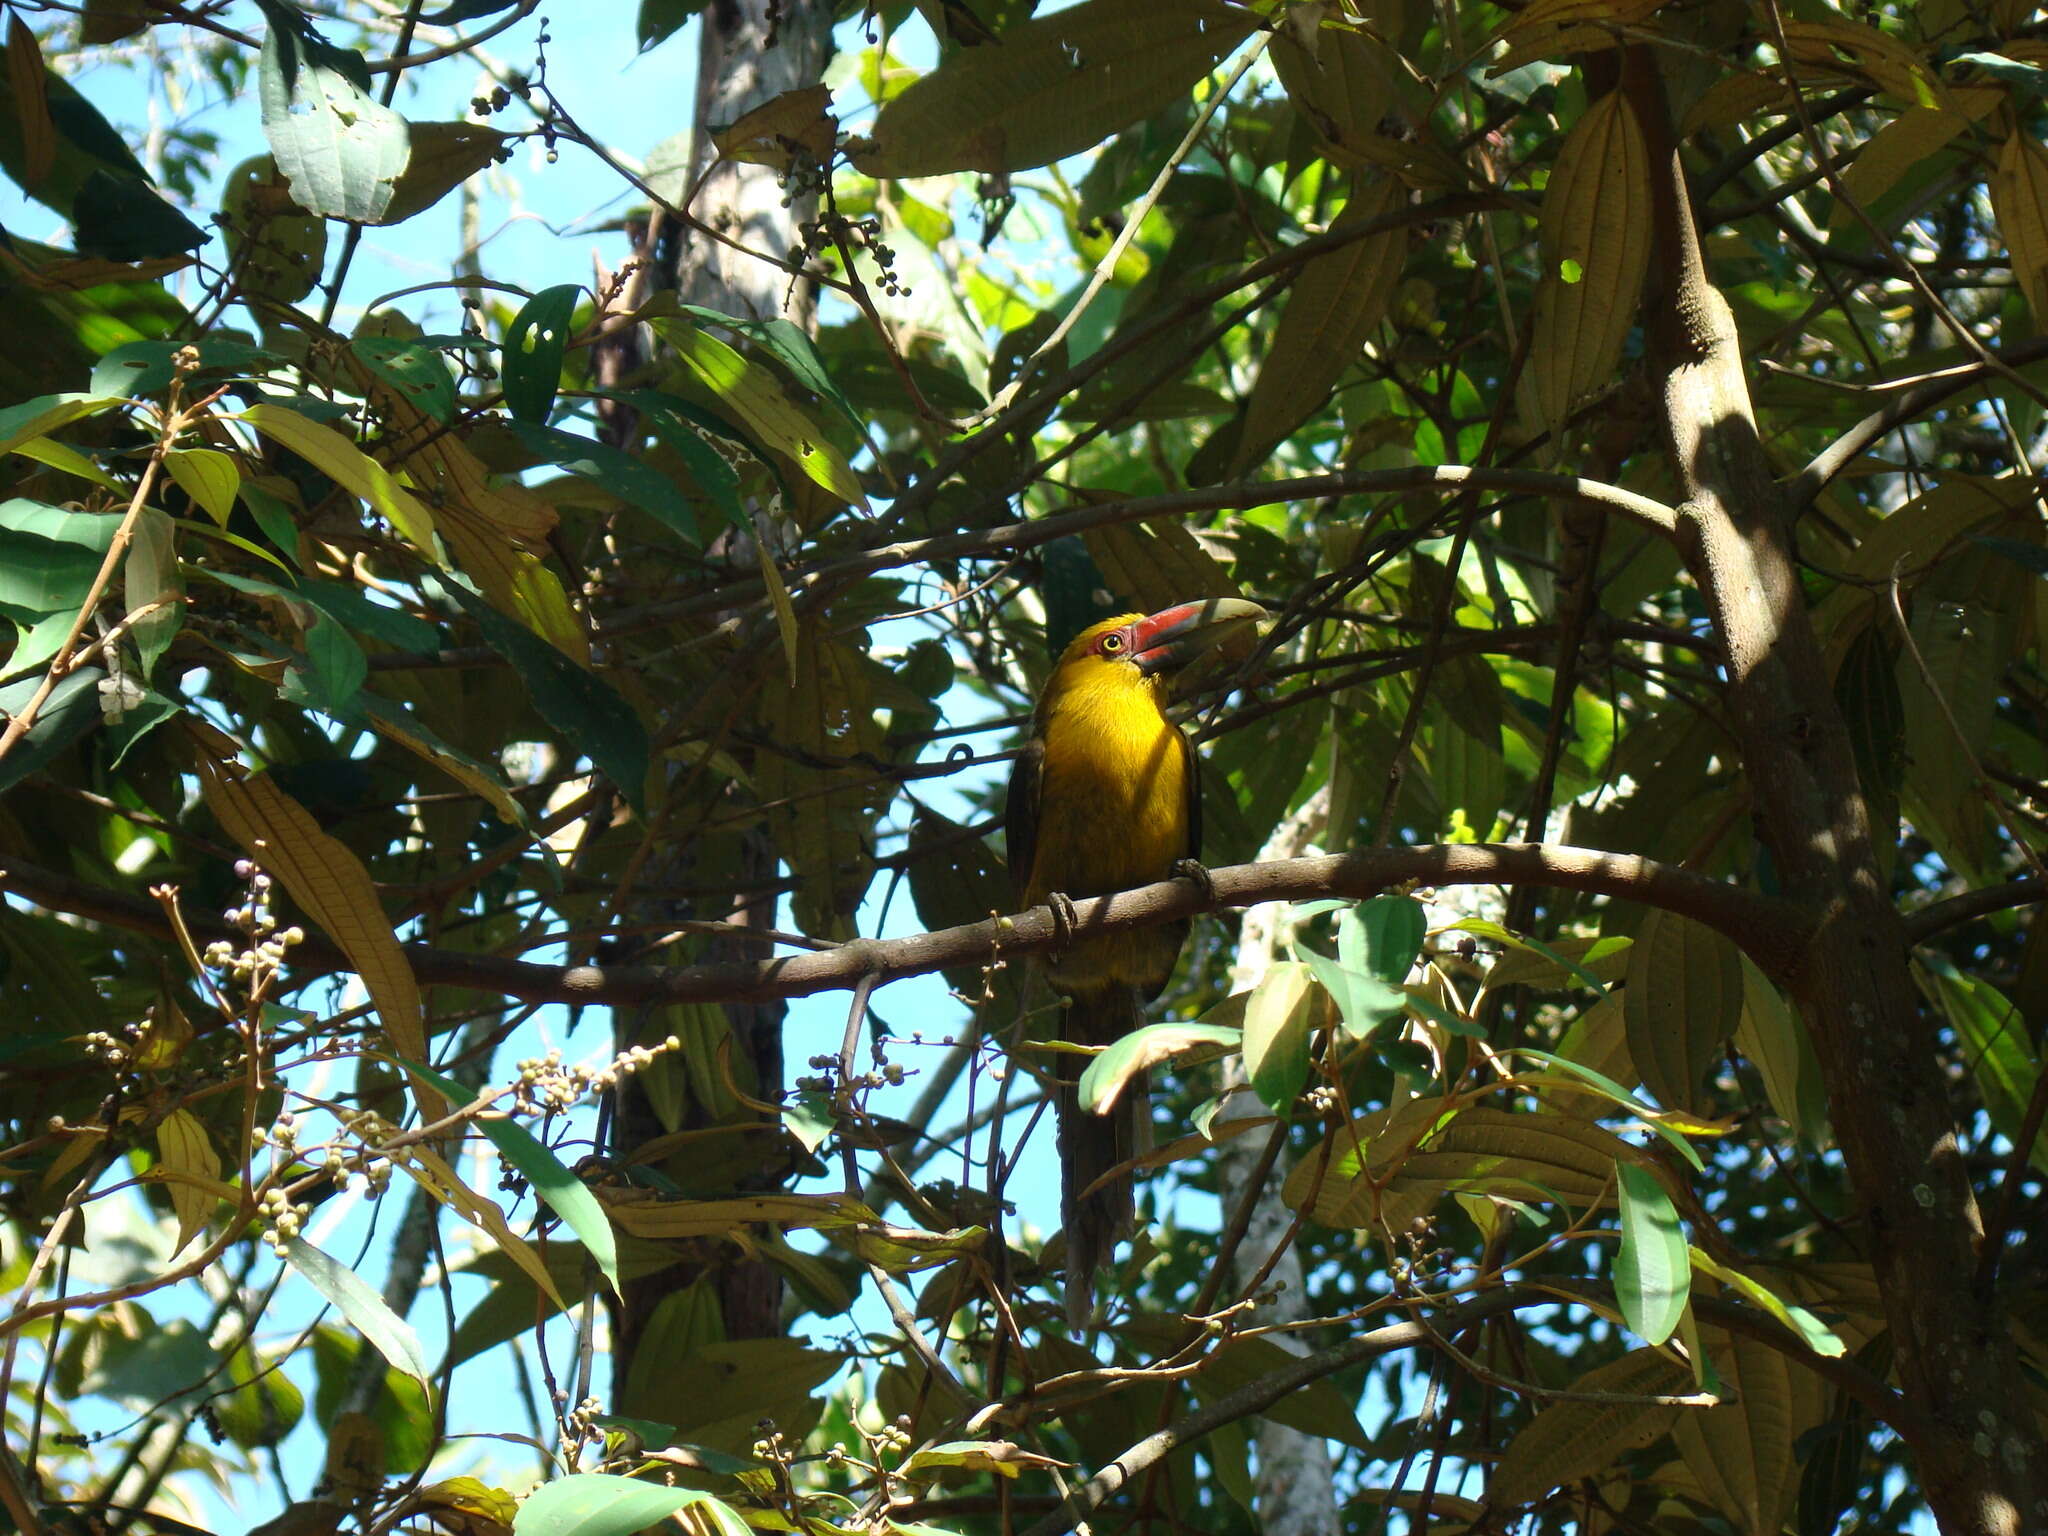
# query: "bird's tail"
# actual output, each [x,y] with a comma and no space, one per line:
[1096,1210]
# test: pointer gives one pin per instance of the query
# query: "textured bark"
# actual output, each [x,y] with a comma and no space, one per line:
[749,52]
[1981,1473]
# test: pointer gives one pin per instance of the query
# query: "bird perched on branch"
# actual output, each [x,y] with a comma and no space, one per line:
[1104,797]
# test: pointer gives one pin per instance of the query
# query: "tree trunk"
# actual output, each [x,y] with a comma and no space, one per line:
[749,52]
[1296,1492]
[1982,1474]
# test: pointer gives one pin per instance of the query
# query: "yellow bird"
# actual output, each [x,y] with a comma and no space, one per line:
[1104,797]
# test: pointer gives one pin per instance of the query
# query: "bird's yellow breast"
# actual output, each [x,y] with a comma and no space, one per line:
[1113,794]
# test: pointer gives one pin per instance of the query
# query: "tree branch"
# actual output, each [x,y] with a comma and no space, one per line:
[1909,403]
[1772,932]
[1885,1405]
[1954,911]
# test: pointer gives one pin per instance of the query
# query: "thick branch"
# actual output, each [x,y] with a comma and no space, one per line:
[1954,911]
[1773,933]
[1907,405]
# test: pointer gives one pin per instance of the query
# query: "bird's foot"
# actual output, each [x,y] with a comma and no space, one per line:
[1061,905]
[1195,871]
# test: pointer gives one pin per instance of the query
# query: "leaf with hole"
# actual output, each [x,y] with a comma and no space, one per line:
[341,148]
[535,343]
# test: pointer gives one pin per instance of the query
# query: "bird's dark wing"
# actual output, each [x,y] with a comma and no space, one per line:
[1020,813]
[1193,761]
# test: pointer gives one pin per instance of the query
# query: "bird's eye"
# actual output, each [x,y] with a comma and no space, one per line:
[1111,644]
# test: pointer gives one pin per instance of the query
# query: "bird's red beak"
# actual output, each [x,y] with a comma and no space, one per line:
[1171,638]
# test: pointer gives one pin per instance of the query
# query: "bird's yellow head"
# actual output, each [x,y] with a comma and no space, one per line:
[1137,649]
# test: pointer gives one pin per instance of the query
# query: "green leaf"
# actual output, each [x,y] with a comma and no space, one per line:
[566,1195]
[535,343]
[1652,1276]
[273,517]
[466,10]
[1996,1049]
[1116,1064]
[413,366]
[141,369]
[49,558]
[276,249]
[265,1404]
[1382,937]
[662,19]
[808,1117]
[677,423]
[386,1331]
[402,1411]
[36,418]
[124,218]
[1819,1337]
[592,1504]
[613,468]
[1363,1002]
[2021,76]
[341,149]
[70,711]
[1050,87]
[1278,1020]
[336,665]
[588,711]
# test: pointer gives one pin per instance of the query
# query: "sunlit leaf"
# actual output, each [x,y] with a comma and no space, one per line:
[386,1331]
[1652,1277]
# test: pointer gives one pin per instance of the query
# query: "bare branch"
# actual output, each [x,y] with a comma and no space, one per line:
[1772,932]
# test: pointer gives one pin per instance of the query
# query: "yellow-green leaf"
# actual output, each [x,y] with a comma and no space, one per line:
[1342,80]
[1571,1440]
[1555,29]
[1835,48]
[1743,1452]
[1157,565]
[57,455]
[332,887]
[183,1147]
[348,467]
[432,1173]
[1774,1037]
[1278,1019]
[1050,87]
[1683,999]
[637,1211]
[763,407]
[1331,310]
[1900,145]
[1596,249]
[2019,197]
[211,478]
